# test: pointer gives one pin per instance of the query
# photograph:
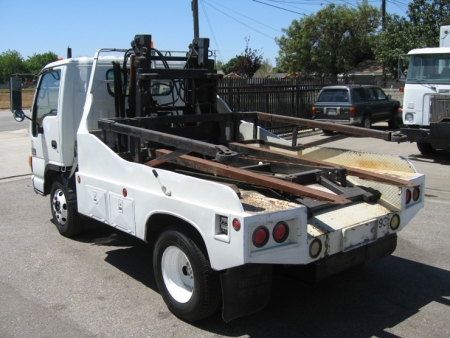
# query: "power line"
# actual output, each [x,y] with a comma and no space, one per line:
[284,9]
[212,31]
[245,16]
[217,9]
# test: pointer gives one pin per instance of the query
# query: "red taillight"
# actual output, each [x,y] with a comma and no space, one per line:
[260,237]
[351,111]
[124,192]
[408,196]
[236,224]
[30,162]
[416,194]
[313,110]
[280,232]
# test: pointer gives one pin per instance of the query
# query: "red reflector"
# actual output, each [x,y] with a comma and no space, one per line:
[408,196]
[236,224]
[416,194]
[313,110]
[351,111]
[124,192]
[260,237]
[280,232]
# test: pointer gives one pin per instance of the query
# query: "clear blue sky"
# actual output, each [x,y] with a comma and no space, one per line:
[39,26]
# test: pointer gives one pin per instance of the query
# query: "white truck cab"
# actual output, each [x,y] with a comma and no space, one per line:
[426,100]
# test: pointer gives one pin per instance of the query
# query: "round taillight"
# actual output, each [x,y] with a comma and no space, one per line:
[416,194]
[260,236]
[124,192]
[395,222]
[313,110]
[408,196]
[315,248]
[280,232]
[236,224]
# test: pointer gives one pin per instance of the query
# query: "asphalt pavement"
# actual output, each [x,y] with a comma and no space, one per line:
[15,147]
[101,284]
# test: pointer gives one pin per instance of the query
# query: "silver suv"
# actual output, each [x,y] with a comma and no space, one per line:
[355,105]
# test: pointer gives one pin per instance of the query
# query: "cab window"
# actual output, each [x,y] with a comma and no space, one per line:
[380,94]
[47,97]
[358,94]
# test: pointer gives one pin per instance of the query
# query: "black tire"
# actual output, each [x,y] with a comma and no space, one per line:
[425,148]
[327,132]
[67,219]
[188,285]
[366,121]
[394,122]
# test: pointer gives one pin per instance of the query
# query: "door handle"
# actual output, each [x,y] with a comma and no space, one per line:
[54,144]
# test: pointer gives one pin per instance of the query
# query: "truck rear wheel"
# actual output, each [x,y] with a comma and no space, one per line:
[188,285]
[67,219]
[425,148]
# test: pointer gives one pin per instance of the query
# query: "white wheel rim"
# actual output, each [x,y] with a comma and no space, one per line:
[59,206]
[177,274]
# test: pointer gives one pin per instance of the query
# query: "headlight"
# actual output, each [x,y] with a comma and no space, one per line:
[409,117]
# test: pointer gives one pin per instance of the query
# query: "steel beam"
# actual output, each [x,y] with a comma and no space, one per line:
[296,121]
[271,155]
[253,178]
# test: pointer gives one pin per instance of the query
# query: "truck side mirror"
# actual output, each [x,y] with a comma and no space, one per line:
[15,89]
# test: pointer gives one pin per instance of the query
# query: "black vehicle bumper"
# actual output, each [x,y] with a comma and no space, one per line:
[438,135]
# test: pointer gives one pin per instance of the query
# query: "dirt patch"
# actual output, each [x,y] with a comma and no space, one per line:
[27,98]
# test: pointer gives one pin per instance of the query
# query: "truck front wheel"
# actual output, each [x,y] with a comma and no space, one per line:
[188,285]
[67,220]
[425,148]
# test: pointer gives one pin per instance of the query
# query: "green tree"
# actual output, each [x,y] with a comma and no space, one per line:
[219,64]
[228,67]
[397,38]
[427,16]
[10,62]
[35,63]
[265,69]
[330,42]
[401,35]
[248,62]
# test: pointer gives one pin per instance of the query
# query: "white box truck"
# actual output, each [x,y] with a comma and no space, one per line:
[426,100]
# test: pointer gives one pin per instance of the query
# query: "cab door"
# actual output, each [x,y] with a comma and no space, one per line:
[384,105]
[45,127]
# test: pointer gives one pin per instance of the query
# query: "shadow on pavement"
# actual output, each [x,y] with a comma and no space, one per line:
[362,303]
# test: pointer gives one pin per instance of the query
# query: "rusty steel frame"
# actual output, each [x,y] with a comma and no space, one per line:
[271,155]
[253,178]
[178,142]
[296,121]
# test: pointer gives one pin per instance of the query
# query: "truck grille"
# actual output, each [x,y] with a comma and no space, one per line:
[439,108]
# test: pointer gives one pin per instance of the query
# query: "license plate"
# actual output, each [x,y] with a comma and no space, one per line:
[331,112]
[358,235]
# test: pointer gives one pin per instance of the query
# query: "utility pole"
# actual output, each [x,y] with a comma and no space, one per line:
[194,5]
[383,24]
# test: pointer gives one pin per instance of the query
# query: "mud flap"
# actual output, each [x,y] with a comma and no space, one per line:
[245,290]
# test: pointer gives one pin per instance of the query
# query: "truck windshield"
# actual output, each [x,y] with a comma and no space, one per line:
[429,68]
